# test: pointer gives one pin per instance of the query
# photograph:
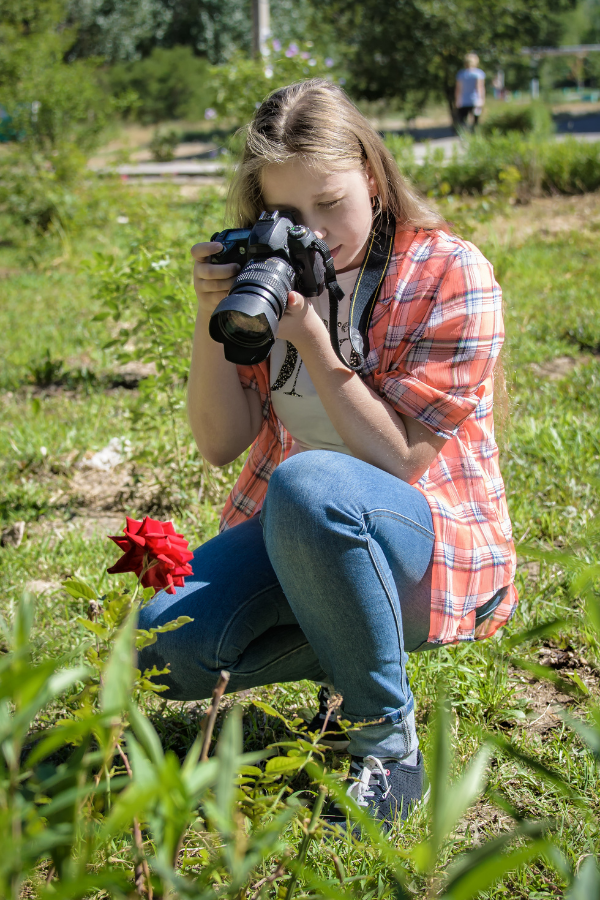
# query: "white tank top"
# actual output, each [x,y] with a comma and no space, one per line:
[293,395]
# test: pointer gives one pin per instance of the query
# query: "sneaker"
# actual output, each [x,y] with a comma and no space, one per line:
[334,735]
[388,789]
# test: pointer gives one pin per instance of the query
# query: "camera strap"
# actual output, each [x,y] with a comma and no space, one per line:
[365,293]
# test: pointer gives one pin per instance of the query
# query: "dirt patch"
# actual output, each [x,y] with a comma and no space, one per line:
[557,368]
[546,700]
[530,569]
[39,587]
[543,217]
[101,490]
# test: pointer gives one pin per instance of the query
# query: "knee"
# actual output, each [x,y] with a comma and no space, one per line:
[303,483]
[303,500]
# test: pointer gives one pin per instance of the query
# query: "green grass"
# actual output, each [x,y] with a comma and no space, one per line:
[551,463]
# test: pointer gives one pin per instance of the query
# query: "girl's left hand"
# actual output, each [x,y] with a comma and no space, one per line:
[300,321]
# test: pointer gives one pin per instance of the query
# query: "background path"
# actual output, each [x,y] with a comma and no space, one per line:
[194,161]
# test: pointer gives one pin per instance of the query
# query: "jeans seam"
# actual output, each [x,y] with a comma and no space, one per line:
[390,514]
[387,592]
[272,661]
[235,615]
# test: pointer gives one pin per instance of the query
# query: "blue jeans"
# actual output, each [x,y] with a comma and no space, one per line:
[335,587]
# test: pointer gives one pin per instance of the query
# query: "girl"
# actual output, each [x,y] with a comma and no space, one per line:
[369,520]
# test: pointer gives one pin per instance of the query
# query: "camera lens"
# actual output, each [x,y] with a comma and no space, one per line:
[245,330]
[246,321]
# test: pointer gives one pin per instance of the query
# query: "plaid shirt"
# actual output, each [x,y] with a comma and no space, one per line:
[434,337]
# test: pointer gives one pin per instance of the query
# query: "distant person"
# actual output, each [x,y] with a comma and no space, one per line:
[470,92]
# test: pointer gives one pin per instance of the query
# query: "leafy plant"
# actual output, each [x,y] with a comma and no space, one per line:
[164,143]
[167,84]
[528,118]
[241,85]
[507,166]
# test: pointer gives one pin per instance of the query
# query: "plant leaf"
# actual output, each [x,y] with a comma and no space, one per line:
[79,590]
[586,884]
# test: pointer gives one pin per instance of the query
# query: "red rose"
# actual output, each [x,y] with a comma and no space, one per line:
[154,551]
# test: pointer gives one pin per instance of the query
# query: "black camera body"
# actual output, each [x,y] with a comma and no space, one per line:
[277,256]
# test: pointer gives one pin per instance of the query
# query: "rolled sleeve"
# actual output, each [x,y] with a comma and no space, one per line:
[437,376]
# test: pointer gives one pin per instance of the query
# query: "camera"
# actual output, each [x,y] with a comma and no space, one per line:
[277,256]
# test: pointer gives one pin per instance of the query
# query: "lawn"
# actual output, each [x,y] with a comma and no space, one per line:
[65,394]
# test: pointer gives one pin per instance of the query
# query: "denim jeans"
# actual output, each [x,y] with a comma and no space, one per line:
[335,587]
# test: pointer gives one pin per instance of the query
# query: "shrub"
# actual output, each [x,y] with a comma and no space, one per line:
[533,118]
[168,84]
[37,191]
[508,165]
[56,113]
[241,85]
[163,144]
[571,166]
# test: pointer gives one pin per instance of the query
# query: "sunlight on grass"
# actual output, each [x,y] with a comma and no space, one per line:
[65,395]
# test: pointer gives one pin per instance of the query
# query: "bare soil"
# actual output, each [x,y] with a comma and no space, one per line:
[543,217]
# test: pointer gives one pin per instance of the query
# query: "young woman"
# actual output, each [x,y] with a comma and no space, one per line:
[369,520]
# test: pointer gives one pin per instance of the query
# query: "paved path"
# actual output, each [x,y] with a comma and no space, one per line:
[584,126]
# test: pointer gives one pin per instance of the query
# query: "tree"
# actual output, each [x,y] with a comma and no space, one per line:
[412,49]
[125,30]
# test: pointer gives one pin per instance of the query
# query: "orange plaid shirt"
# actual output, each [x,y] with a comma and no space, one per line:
[435,334]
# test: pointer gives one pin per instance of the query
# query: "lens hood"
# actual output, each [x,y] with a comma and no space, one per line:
[249,304]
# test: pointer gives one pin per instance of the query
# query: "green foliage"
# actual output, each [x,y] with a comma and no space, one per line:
[118,779]
[164,144]
[503,165]
[550,461]
[111,619]
[530,118]
[52,103]
[58,112]
[167,84]
[39,192]
[146,295]
[415,51]
[126,30]
[241,85]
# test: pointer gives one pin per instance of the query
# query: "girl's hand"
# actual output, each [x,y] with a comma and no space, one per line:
[211,282]
[300,322]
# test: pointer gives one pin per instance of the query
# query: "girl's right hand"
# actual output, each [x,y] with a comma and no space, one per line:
[211,282]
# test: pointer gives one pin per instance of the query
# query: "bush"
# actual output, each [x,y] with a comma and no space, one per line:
[56,113]
[508,165]
[241,85]
[168,84]
[533,118]
[163,144]
[38,191]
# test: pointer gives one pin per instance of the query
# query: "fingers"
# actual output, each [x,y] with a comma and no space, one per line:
[295,302]
[205,249]
[209,278]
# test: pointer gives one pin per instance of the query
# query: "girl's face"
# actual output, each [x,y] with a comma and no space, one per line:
[336,206]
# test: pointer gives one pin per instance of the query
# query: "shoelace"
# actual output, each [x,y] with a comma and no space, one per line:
[359,791]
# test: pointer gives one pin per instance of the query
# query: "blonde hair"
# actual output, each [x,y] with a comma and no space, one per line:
[471,60]
[316,121]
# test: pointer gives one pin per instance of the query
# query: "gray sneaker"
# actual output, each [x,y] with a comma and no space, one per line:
[388,789]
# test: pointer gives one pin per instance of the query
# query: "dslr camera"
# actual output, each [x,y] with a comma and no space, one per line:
[277,256]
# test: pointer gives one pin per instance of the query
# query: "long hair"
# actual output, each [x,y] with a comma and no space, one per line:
[316,122]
